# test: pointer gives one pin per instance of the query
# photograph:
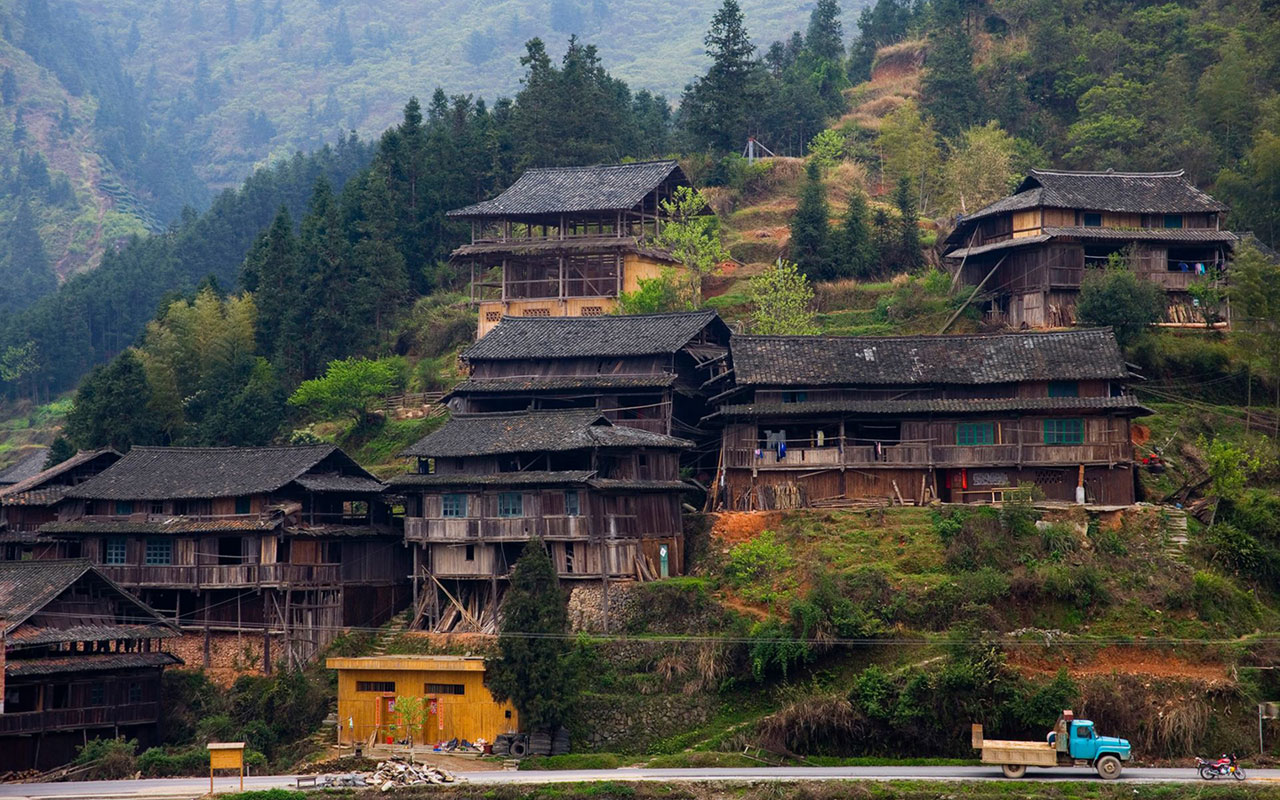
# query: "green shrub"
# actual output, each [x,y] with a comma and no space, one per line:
[1217,599]
[158,762]
[113,759]
[757,566]
[826,612]
[774,651]
[1242,553]
[1058,540]
[1080,586]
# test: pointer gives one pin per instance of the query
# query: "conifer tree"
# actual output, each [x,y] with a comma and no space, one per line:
[825,37]
[111,407]
[60,449]
[329,330]
[8,87]
[949,86]
[810,228]
[25,272]
[535,671]
[908,226]
[271,272]
[856,248]
[718,107]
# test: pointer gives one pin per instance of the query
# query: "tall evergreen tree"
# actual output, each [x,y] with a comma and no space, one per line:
[857,250]
[810,228]
[950,87]
[271,272]
[328,277]
[8,87]
[535,670]
[825,37]
[718,108]
[25,272]
[111,407]
[908,226]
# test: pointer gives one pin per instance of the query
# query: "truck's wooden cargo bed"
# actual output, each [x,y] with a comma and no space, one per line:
[1033,754]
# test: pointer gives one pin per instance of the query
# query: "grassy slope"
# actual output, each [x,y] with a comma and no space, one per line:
[76,233]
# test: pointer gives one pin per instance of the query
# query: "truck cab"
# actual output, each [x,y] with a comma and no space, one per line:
[1087,745]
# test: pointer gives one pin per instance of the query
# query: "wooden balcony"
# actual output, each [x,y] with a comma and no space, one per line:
[62,719]
[519,529]
[926,454]
[217,577]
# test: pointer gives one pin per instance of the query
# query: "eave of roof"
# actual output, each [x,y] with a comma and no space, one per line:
[61,468]
[950,406]
[88,663]
[638,485]
[520,385]
[30,635]
[339,483]
[25,467]
[580,244]
[528,478]
[534,432]
[164,526]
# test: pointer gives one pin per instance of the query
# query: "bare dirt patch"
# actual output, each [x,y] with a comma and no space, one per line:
[1120,661]
[733,527]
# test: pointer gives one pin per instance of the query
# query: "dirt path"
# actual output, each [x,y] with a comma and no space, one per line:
[1121,661]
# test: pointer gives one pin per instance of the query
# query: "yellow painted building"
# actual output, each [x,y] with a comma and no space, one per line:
[459,706]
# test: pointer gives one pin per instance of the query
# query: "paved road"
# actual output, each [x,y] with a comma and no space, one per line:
[187,788]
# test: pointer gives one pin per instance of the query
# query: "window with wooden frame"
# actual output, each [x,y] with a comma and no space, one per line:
[444,688]
[124,508]
[116,551]
[97,694]
[493,316]
[571,506]
[135,692]
[159,552]
[1064,431]
[244,505]
[969,434]
[375,686]
[1173,220]
[510,504]
[1064,389]
[536,312]
[1092,220]
[453,505]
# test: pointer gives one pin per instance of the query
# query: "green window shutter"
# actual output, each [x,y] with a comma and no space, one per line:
[1064,431]
[1064,389]
[975,433]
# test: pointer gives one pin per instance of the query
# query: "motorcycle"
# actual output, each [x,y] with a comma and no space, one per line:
[1223,766]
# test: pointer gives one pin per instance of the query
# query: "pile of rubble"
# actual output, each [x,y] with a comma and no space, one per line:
[396,772]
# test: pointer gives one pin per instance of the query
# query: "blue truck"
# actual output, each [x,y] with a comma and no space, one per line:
[1072,743]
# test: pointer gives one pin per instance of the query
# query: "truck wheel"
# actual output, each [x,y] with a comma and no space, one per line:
[1014,770]
[1108,768]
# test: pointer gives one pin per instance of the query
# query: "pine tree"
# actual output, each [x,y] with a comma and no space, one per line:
[111,407]
[908,226]
[60,449]
[25,271]
[825,37]
[810,228]
[857,249]
[383,283]
[949,86]
[718,107]
[8,87]
[328,277]
[270,271]
[535,671]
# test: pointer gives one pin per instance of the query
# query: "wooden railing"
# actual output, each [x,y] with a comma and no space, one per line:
[518,529]
[65,718]
[925,454]
[222,576]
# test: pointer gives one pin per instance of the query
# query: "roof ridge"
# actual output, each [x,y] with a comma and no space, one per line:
[224,449]
[525,413]
[918,336]
[652,315]
[602,166]
[1178,173]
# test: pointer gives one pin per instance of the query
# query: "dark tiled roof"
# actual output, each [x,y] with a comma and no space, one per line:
[339,483]
[30,464]
[51,475]
[160,473]
[587,337]
[103,662]
[31,635]
[552,383]
[35,497]
[532,432]
[1144,234]
[562,190]
[530,478]
[638,485]
[28,586]
[935,406]
[915,360]
[163,526]
[1125,192]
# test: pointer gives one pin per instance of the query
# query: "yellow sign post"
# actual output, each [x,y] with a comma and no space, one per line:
[226,755]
